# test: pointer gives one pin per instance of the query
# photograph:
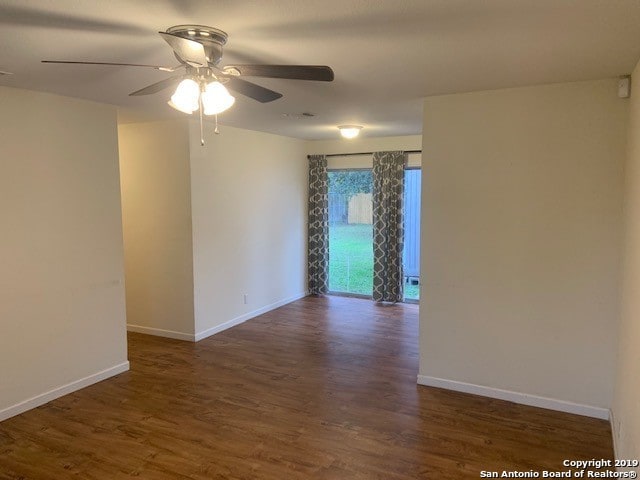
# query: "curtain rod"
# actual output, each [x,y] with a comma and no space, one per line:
[362,153]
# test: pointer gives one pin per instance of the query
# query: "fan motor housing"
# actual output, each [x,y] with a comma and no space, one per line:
[212,39]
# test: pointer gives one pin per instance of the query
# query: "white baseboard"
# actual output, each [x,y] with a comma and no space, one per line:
[45,397]
[516,397]
[159,332]
[247,316]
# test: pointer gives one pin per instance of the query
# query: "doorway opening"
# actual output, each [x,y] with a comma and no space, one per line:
[351,233]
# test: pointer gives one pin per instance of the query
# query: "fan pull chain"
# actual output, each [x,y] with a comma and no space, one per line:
[216,131]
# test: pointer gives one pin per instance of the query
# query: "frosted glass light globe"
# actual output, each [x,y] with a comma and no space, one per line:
[186,96]
[216,99]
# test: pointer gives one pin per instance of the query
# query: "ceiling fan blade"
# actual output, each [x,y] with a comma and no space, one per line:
[158,86]
[252,90]
[156,67]
[5,73]
[190,51]
[320,73]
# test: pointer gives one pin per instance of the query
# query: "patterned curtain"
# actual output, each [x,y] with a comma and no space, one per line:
[388,229]
[318,254]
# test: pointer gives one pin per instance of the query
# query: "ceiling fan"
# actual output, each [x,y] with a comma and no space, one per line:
[203,84]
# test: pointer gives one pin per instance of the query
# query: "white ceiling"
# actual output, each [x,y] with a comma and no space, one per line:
[387,55]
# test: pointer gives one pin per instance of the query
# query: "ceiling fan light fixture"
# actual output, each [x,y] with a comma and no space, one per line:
[216,99]
[186,97]
[173,105]
[349,131]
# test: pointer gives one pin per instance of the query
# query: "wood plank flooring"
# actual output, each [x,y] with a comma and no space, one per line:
[323,388]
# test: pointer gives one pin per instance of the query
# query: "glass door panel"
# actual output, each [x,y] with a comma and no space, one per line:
[350,232]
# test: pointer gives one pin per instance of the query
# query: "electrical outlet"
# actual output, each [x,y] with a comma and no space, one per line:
[245,298]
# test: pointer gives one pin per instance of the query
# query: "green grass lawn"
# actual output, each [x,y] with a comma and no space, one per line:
[351,261]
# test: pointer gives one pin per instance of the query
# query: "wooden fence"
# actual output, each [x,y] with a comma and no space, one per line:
[360,209]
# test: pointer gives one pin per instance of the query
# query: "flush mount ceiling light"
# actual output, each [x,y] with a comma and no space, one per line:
[349,131]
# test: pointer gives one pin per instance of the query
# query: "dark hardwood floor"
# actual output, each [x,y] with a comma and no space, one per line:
[323,388]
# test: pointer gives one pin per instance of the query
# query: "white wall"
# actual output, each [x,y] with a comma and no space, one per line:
[521,222]
[61,263]
[626,407]
[156,213]
[249,210]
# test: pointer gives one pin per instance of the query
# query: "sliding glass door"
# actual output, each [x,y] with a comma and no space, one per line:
[351,232]
[411,252]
